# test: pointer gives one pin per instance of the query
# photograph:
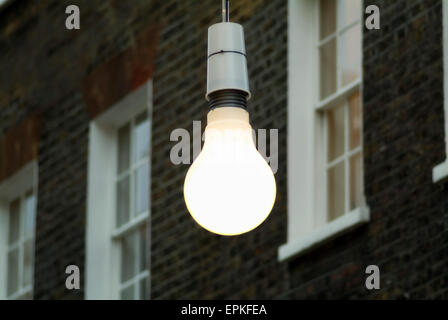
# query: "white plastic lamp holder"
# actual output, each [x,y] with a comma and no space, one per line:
[226,59]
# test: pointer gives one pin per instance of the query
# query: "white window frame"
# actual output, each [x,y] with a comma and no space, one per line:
[306,139]
[103,253]
[440,172]
[4,2]
[14,187]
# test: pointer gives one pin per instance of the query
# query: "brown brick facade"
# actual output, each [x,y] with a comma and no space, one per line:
[70,77]
[121,74]
[19,146]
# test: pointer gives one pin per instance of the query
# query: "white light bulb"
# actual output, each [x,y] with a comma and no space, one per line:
[229,189]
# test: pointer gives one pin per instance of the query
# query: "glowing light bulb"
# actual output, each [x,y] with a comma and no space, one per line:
[229,189]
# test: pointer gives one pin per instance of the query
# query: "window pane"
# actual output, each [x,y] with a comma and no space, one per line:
[13,271]
[350,11]
[128,256]
[327,58]
[142,136]
[335,132]
[27,263]
[122,201]
[350,55]
[327,18]
[144,289]
[142,189]
[128,293]
[123,148]
[143,248]
[355,181]
[355,120]
[30,212]
[336,191]
[14,220]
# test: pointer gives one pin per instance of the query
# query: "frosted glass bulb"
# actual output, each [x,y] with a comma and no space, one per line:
[229,189]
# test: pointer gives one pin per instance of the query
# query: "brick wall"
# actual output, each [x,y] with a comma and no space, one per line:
[56,73]
[403,141]
[43,69]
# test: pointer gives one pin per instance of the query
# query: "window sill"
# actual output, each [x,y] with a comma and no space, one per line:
[440,171]
[301,245]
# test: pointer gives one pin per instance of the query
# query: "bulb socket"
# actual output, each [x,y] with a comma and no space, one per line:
[228,98]
[226,59]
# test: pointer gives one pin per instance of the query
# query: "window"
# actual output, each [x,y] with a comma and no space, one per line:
[440,171]
[118,200]
[17,224]
[325,114]
[20,245]
[132,194]
[339,103]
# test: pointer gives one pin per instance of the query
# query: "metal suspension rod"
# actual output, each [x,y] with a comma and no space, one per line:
[225,10]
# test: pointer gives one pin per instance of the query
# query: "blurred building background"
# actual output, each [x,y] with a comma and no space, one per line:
[85,171]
